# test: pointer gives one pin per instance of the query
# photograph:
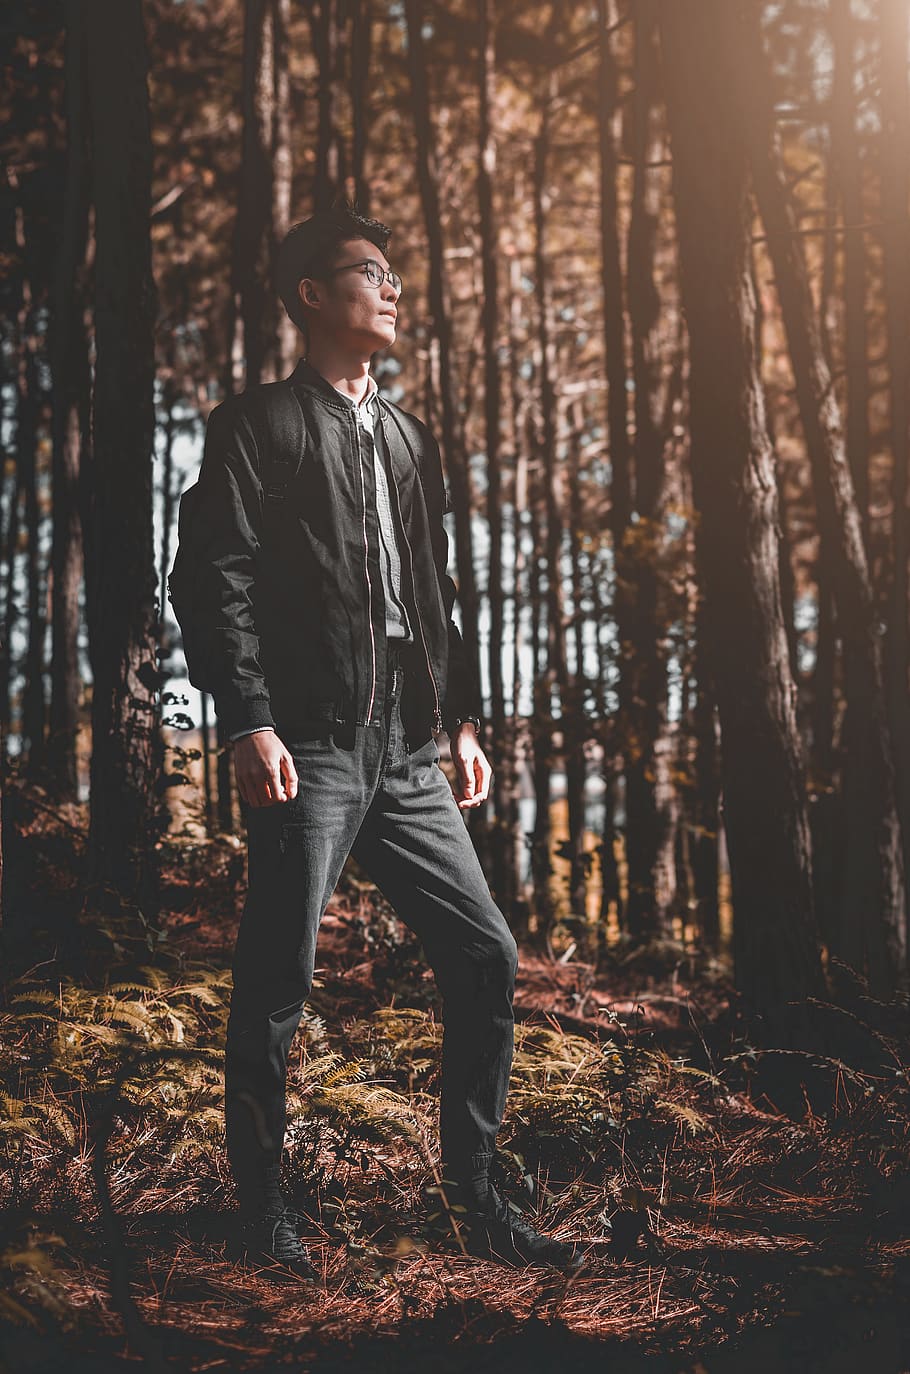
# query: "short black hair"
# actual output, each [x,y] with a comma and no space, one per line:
[308,249]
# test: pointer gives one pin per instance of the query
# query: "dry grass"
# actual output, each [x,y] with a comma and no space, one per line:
[727,1192]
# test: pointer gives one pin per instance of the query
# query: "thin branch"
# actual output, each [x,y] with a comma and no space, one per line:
[591,43]
[835,229]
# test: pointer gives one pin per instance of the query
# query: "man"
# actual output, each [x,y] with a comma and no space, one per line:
[329,617]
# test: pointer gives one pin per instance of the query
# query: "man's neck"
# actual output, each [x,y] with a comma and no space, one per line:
[349,375]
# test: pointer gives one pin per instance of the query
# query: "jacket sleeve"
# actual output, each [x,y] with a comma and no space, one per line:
[230,495]
[463,695]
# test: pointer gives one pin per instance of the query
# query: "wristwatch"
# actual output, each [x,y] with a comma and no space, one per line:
[475,720]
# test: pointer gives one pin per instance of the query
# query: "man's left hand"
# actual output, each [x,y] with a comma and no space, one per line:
[472,768]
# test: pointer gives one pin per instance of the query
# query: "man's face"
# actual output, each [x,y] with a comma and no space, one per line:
[345,304]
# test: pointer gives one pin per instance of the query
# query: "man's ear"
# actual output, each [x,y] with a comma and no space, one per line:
[307,292]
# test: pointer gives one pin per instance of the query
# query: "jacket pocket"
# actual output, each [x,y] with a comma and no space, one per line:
[303,698]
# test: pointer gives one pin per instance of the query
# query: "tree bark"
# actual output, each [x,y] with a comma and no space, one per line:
[541,725]
[121,588]
[894,24]
[557,664]
[872,924]
[264,188]
[28,408]
[72,383]
[452,432]
[651,805]
[503,779]
[361,45]
[776,952]
[576,705]
[287,340]
[611,285]
[11,611]
[706,781]
[618,443]
[516,745]
[848,182]
[330,171]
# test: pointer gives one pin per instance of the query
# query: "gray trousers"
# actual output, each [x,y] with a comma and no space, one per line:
[395,811]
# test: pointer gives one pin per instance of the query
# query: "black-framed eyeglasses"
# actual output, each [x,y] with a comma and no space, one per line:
[375,273]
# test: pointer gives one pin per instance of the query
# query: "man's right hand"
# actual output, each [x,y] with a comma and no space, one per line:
[264,769]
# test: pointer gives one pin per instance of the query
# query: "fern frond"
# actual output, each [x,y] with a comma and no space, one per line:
[686,1116]
[55,1116]
[14,1106]
[315,1068]
[350,1072]
[200,992]
[154,976]
[39,996]
[21,1126]
[698,1073]
[133,1014]
[108,1035]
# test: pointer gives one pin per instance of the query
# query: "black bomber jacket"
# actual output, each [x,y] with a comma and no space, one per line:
[291,592]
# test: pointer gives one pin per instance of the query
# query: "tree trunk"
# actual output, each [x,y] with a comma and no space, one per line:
[651,808]
[452,434]
[361,45]
[28,406]
[513,747]
[208,807]
[896,256]
[70,370]
[287,339]
[330,171]
[611,285]
[616,374]
[706,798]
[11,611]
[557,665]
[169,397]
[849,188]
[503,780]
[775,945]
[872,926]
[2,808]
[260,179]
[224,778]
[576,706]
[541,725]
[121,586]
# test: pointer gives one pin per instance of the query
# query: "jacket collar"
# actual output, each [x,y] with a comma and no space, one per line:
[306,376]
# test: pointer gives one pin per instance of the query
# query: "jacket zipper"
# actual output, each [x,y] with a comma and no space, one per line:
[366,567]
[437,714]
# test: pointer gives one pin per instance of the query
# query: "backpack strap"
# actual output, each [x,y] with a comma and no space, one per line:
[287,436]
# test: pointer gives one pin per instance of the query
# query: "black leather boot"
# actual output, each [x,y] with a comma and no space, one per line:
[267,1236]
[495,1230]
[269,1242]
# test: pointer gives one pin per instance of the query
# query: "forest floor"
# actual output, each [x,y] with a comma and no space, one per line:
[744,1206]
